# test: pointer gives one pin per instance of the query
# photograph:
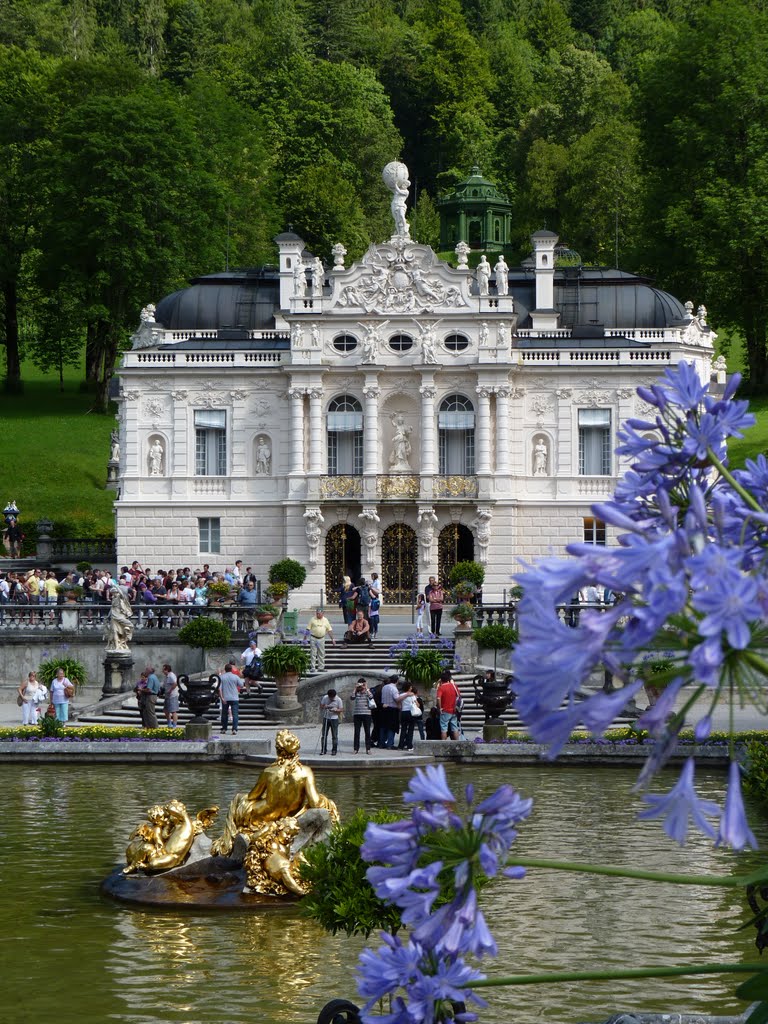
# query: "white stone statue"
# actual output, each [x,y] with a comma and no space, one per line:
[483,275]
[426,521]
[399,459]
[502,276]
[118,626]
[147,315]
[502,336]
[482,527]
[395,176]
[428,341]
[156,453]
[540,457]
[263,456]
[318,276]
[114,451]
[483,339]
[312,527]
[338,252]
[314,336]
[701,315]
[299,280]
[297,336]
[462,251]
[369,531]
[371,341]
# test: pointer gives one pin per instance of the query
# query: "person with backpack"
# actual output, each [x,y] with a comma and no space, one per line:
[363,602]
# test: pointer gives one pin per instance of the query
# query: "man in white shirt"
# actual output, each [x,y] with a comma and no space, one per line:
[319,627]
[331,708]
[389,714]
[251,659]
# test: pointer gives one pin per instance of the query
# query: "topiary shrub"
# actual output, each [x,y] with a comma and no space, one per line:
[495,637]
[473,572]
[206,634]
[289,571]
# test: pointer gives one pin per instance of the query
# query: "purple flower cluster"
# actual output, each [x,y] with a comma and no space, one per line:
[689,579]
[426,974]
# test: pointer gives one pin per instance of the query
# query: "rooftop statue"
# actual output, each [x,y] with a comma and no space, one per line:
[396,179]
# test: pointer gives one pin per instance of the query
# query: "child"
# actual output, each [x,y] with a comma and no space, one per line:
[373,614]
[421,604]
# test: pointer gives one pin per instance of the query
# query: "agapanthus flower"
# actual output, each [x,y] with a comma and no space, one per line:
[734,830]
[681,805]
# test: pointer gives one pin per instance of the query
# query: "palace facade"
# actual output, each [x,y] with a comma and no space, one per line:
[399,414]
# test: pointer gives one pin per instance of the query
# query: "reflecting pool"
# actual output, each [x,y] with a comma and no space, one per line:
[70,956]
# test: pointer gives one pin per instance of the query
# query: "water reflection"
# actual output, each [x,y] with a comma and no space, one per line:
[68,826]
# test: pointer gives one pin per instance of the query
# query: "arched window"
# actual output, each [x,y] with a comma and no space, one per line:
[456,431]
[345,436]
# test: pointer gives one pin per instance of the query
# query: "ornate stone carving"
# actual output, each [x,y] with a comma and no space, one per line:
[625,392]
[156,457]
[341,487]
[502,276]
[313,521]
[503,391]
[426,521]
[114,450]
[238,395]
[296,393]
[455,487]
[147,315]
[338,252]
[399,486]
[483,275]
[502,336]
[564,393]
[401,278]
[483,391]
[540,457]
[428,340]
[154,408]
[427,391]
[297,336]
[263,456]
[719,365]
[541,405]
[180,395]
[315,393]
[314,336]
[262,406]
[369,531]
[484,340]
[594,398]
[372,340]
[399,458]
[371,390]
[462,251]
[395,177]
[481,524]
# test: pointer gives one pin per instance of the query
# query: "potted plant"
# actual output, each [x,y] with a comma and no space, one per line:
[219,591]
[265,613]
[466,579]
[205,633]
[495,637]
[289,571]
[658,671]
[74,670]
[463,614]
[420,663]
[285,663]
[277,591]
[73,594]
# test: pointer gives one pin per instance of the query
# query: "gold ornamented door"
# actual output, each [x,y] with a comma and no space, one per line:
[399,564]
[342,557]
[454,544]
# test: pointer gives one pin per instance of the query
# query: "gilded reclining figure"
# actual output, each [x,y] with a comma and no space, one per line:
[164,840]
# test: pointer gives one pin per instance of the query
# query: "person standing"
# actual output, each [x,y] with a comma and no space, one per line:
[347,596]
[61,690]
[251,659]
[421,604]
[331,708]
[390,713]
[171,703]
[32,694]
[319,627]
[447,697]
[436,601]
[361,710]
[373,615]
[408,705]
[148,699]
[229,694]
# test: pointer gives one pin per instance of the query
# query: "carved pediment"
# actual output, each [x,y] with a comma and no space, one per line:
[400,276]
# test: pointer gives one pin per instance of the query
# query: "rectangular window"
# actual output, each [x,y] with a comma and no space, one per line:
[345,452]
[210,536]
[456,455]
[595,442]
[210,442]
[594,531]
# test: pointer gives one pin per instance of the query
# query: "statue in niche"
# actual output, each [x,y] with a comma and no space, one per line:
[399,459]
[395,176]
[114,451]
[299,280]
[483,275]
[156,453]
[318,276]
[263,456]
[297,336]
[314,336]
[312,527]
[426,521]
[540,457]
[502,336]
[502,276]
[483,341]
[482,527]
[118,626]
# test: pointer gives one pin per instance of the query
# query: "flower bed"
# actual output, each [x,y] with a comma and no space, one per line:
[91,733]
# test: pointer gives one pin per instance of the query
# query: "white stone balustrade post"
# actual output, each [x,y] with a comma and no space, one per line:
[371,392]
[483,463]
[316,431]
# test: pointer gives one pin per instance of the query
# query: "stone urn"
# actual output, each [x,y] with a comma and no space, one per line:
[286,689]
[493,696]
[198,695]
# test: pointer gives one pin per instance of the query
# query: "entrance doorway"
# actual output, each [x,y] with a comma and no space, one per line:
[399,564]
[342,558]
[456,543]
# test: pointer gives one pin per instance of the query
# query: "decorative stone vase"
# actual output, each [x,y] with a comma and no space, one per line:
[264,619]
[286,689]
[198,695]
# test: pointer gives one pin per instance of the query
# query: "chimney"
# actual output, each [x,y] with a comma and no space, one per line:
[290,247]
[544,317]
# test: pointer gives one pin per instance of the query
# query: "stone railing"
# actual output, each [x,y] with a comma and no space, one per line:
[76,549]
[506,614]
[88,618]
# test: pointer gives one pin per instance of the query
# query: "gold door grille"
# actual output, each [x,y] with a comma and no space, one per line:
[454,544]
[399,564]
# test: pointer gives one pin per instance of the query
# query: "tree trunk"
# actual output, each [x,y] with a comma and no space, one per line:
[92,354]
[11,317]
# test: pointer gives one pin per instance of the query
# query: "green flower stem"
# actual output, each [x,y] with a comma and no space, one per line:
[555,977]
[727,475]
[616,871]
[756,660]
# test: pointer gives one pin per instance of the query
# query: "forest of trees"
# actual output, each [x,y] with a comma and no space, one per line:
[146,141]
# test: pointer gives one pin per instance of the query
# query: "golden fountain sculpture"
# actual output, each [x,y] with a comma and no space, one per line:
[266,829]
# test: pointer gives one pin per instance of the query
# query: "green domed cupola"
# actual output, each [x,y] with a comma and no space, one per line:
[477,213]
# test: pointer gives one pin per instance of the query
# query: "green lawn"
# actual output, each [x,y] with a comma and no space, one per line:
[55,453]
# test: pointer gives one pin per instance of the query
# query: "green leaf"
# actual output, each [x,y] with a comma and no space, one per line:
[755,987]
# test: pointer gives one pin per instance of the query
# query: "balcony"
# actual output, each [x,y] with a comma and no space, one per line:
[341,487]
[455,487]
[398,485]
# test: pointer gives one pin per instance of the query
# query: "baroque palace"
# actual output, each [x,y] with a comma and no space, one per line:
[398,414]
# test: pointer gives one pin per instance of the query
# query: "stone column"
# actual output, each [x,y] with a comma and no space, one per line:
[371,392]
[427,392]
[316,431]
[483,463]
[502,429]
[296,396]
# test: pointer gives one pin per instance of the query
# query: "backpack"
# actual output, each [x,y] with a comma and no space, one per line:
[375,604]
[363,597]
